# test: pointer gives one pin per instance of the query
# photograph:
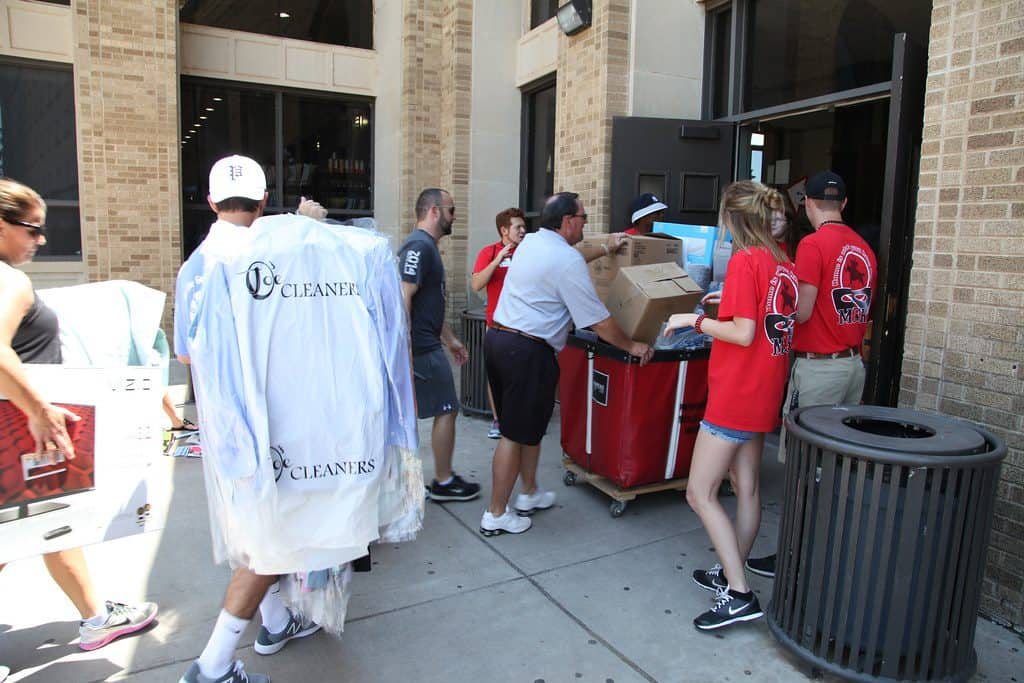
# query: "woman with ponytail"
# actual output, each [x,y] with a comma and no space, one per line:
[746,376]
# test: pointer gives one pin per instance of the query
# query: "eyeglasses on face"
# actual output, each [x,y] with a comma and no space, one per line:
[450,207]
[34,229]
[580,215]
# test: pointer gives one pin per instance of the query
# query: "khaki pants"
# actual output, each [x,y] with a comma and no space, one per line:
[821,381]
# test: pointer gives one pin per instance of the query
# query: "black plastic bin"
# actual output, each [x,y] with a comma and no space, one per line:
[882,542]
[473,379]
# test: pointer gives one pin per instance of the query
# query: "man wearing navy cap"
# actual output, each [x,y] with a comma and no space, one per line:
[837,272]
[644,212]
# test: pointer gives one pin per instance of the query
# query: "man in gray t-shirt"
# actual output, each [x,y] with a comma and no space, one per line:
[423,289]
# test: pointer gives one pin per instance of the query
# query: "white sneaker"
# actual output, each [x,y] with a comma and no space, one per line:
[507,523]
[539,500]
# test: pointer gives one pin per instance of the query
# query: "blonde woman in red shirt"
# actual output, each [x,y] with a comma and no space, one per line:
[746,375]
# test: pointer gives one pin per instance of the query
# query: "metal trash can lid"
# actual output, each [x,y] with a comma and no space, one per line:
[899,430]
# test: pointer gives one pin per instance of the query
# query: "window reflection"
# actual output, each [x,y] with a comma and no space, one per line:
[805,48]
[335,22]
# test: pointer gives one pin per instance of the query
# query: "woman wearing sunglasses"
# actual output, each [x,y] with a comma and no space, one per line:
[29,333]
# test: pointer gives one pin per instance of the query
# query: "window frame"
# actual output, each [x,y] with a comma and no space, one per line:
[529,93]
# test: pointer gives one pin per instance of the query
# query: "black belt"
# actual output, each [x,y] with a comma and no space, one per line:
[845,353]
[499,326]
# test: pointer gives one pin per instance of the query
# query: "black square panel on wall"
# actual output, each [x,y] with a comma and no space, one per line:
[698,191]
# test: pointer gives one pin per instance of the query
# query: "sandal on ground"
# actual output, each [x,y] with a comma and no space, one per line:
[186,426]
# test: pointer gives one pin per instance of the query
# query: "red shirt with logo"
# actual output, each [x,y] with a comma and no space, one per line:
[837,261]
[745,383]
[497,281]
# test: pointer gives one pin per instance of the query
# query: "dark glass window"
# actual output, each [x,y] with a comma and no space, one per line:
[336,22]
[327,147]
[37,147]
[721,68]
[322,150]
[805,48]
[542,10]
[56,2]
[538,158]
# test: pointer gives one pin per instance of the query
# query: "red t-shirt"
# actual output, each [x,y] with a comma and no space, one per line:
[632,231]
[497,281]
[745,383]
[837,261]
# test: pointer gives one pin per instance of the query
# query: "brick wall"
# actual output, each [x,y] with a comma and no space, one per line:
[436,83]
[126,105]
[593,86]
[964,332]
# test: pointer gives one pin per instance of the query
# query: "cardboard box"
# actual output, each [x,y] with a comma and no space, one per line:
[637,252]
[643,297]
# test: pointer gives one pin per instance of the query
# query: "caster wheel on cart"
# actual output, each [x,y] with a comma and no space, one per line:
[617,508]
[569,478]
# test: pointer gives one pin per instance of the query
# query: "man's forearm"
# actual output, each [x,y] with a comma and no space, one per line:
[610,331]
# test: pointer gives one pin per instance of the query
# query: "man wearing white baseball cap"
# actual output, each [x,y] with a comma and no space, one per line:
[238,195]
[644,211]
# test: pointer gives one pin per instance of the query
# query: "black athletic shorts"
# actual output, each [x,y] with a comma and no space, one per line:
[434,383]
[523,374]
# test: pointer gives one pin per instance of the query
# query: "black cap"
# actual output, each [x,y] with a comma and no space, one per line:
[644,205]
[826,185]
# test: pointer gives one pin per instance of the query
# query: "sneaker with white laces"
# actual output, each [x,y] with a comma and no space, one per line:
[730,608]
[121,620]
[527,504]
[458,489]
[236,674]
[711,579]
[495,431]
[268,643]
[507,523]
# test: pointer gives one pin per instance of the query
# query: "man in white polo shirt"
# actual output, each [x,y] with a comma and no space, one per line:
[547,288]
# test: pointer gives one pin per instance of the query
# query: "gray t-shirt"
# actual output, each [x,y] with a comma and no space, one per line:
[419,262]
[547,286]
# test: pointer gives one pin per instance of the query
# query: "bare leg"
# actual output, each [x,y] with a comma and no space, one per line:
[746,474]
[504,471]
[71,573]
[712,458]
[442,440]
[529,456]
[171,411]
[245,591]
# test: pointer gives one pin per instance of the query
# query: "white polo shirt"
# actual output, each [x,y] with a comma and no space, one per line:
[548,286]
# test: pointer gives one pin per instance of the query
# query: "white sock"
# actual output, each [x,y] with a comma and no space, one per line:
[218,656]
[273,612]
[97,620]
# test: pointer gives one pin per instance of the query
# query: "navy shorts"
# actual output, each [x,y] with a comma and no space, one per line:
[523,374]
[435,385]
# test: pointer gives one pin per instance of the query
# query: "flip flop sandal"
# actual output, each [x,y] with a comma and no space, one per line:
[186,426]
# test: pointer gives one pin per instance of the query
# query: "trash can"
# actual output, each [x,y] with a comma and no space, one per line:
[473,379]
[882,542]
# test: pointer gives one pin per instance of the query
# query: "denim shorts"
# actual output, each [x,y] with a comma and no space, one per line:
[730,435]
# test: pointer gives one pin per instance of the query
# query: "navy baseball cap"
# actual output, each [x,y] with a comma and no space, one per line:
[645,205]
[826,185]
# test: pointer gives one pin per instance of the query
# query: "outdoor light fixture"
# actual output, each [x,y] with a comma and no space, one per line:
[283,15]
[574,16]
[218,99]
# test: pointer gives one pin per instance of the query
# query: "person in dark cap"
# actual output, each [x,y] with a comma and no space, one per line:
[644,211]
[837,271]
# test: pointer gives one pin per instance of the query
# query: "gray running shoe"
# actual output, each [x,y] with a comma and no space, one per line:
[268,643]
[121,620]
[236,674]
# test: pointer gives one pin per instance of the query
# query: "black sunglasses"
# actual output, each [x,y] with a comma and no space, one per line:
[33,229]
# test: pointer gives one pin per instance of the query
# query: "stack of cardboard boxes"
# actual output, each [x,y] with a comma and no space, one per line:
[643,284]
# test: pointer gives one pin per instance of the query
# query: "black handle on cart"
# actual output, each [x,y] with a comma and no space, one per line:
[589,341]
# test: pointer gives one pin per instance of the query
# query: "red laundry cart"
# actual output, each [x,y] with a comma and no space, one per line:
[626,429]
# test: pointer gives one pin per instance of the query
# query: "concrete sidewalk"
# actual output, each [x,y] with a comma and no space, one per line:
[579,597]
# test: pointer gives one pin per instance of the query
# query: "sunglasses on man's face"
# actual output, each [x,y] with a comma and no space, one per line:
[34,229]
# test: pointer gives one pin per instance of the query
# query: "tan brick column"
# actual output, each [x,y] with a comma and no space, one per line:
[436,81]
[126,105]
[593,86]
[964,350]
